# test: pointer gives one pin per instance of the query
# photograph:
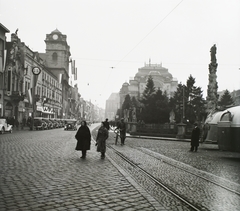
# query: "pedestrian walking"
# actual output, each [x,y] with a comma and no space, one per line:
[24,121]
[83,137]
[122,128]
[106,123]
[195,138]
[17,123]
[102,136]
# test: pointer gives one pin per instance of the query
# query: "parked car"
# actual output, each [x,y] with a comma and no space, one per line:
[49,123]
[54,123]
[70,125]
[40,124]
[5,127]
[60,122]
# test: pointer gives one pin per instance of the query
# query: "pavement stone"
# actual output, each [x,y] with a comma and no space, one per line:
[40,170]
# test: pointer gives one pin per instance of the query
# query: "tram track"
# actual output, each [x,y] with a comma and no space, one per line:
[190,204]
[195,174]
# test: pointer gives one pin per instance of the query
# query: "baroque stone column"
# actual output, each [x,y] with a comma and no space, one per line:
[212,96]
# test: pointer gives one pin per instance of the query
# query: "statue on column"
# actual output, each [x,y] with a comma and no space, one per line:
[172,116]
[212,96]
[213,51]
[134,115]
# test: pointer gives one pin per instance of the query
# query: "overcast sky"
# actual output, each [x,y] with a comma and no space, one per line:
[125,34]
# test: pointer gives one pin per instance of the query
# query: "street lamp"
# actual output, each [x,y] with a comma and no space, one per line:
[36,71]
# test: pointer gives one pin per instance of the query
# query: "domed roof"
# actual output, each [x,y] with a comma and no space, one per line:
[156,73]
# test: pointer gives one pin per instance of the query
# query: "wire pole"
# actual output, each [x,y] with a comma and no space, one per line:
[183,112]
[33,102]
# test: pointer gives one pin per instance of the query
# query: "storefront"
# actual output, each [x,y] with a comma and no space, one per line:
[45,111]
[8,110]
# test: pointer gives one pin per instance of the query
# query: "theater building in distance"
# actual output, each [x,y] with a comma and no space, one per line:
[162,79]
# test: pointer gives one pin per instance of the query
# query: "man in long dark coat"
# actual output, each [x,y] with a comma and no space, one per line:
[101,138]
[106,123]
[83,137]
[122,128]
[195,138]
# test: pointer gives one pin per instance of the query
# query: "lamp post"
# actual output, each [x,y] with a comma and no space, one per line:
[36,71]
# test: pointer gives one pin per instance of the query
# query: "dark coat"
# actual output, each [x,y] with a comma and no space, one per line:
[122,128]
[83,137]
[101,139]
[106,123]
[195,136]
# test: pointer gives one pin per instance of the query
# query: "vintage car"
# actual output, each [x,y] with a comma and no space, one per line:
[5,127]
[49,123]
[70,124]
[39,124]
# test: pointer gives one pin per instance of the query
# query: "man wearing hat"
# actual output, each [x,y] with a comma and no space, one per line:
[195,138]
[122,128]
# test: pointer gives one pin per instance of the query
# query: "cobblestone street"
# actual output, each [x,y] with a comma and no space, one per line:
[40,170]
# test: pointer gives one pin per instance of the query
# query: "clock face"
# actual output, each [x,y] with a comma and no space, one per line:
[36,71]
[55,36]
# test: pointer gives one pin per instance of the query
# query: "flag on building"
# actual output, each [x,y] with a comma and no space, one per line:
[60,78]
[33,83]
[75,75]
[29,96]
[73,67]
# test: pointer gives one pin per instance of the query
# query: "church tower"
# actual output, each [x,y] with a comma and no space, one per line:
[57,54]
[57,58]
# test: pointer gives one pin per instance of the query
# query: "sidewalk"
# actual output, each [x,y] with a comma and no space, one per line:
[157,138]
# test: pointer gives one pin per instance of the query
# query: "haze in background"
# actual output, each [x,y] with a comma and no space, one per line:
[111,39]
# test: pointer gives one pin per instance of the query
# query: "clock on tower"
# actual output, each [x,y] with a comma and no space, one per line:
[55,36]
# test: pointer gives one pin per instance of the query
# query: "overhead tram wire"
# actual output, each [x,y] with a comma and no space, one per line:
[142,40]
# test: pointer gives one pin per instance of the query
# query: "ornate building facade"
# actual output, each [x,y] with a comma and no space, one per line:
[3,31]
[56,59]
[162,79]
[47,92]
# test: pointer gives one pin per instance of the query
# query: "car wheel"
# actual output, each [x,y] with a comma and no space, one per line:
[2,130]
[10,131]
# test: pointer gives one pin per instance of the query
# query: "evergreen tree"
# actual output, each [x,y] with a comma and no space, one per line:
[136,104]
[148,101]
[194,102]
[187,102]
[127,105]
[226,100]
[148,91]
[161,110]
[176,103]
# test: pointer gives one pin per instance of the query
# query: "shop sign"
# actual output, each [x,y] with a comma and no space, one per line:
[39,108]
[47,110]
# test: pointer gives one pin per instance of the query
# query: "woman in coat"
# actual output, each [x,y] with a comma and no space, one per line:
[83,137]
[101,139]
